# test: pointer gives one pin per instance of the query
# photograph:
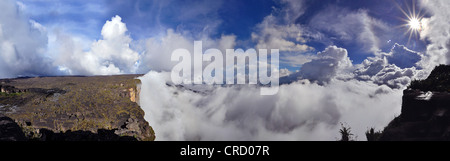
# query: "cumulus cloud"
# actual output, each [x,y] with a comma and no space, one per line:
[377,70]
[23,44]
[403,57]
[300,111]
[395,69]
[110,55]
[394,76]
[331,62]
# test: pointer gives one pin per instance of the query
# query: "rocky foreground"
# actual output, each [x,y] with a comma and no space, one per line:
[425,110]
[103,108]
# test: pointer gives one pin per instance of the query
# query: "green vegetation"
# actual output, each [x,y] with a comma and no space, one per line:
[3,94]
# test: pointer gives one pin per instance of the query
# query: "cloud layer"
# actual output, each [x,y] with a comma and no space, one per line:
[300,111]
[327,89]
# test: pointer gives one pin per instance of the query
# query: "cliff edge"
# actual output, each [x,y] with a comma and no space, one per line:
[75,108]
[425,113]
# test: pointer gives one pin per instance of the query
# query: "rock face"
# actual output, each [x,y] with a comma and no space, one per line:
[56,108]
[425,110]
[10,131]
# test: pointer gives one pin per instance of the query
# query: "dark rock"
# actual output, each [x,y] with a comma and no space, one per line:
[10,130]
[8,89]
[425,110]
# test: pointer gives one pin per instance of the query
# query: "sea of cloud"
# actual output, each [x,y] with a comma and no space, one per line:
[329,89]
[310,105]
[300,111]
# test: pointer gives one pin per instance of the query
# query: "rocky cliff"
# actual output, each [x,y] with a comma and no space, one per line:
[425,113]
[75,108]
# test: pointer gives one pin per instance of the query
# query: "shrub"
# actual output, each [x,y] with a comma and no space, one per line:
[373,135]
[346,133]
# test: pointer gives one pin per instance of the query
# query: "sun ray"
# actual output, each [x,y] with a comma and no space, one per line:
[412,19]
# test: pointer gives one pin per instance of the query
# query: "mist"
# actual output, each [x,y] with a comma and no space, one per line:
[300,111]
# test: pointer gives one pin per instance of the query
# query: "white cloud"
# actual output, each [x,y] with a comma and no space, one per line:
[402,56]
[110,55]
[331,62]
[371,66]
[22,44]
[115,49]
[158,50]
[395,69]
[286,37]
[297,59]
[363,96]
[300,111]
[351,27]
[436,30]
[284,72]
[394,76]
[294,9]
[21,6]
[280,31]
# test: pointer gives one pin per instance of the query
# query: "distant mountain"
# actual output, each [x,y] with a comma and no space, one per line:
[425,113]
[73,108]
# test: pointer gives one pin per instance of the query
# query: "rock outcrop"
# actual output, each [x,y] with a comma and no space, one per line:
[52,108]
[425,113]
[10,131]
[9,89]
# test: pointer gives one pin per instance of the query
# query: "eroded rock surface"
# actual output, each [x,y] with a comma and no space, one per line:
[65,106]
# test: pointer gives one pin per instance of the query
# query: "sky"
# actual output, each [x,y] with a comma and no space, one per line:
[301,28]
[369,50]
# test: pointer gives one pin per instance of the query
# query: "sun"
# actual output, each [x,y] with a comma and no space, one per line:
[413,20]
[415,24]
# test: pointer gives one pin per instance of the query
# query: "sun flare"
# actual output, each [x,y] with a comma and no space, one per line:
[413,20]
[415,24]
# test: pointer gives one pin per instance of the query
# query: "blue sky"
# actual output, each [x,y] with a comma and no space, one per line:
[363,28]
[146,18]
[342,56]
